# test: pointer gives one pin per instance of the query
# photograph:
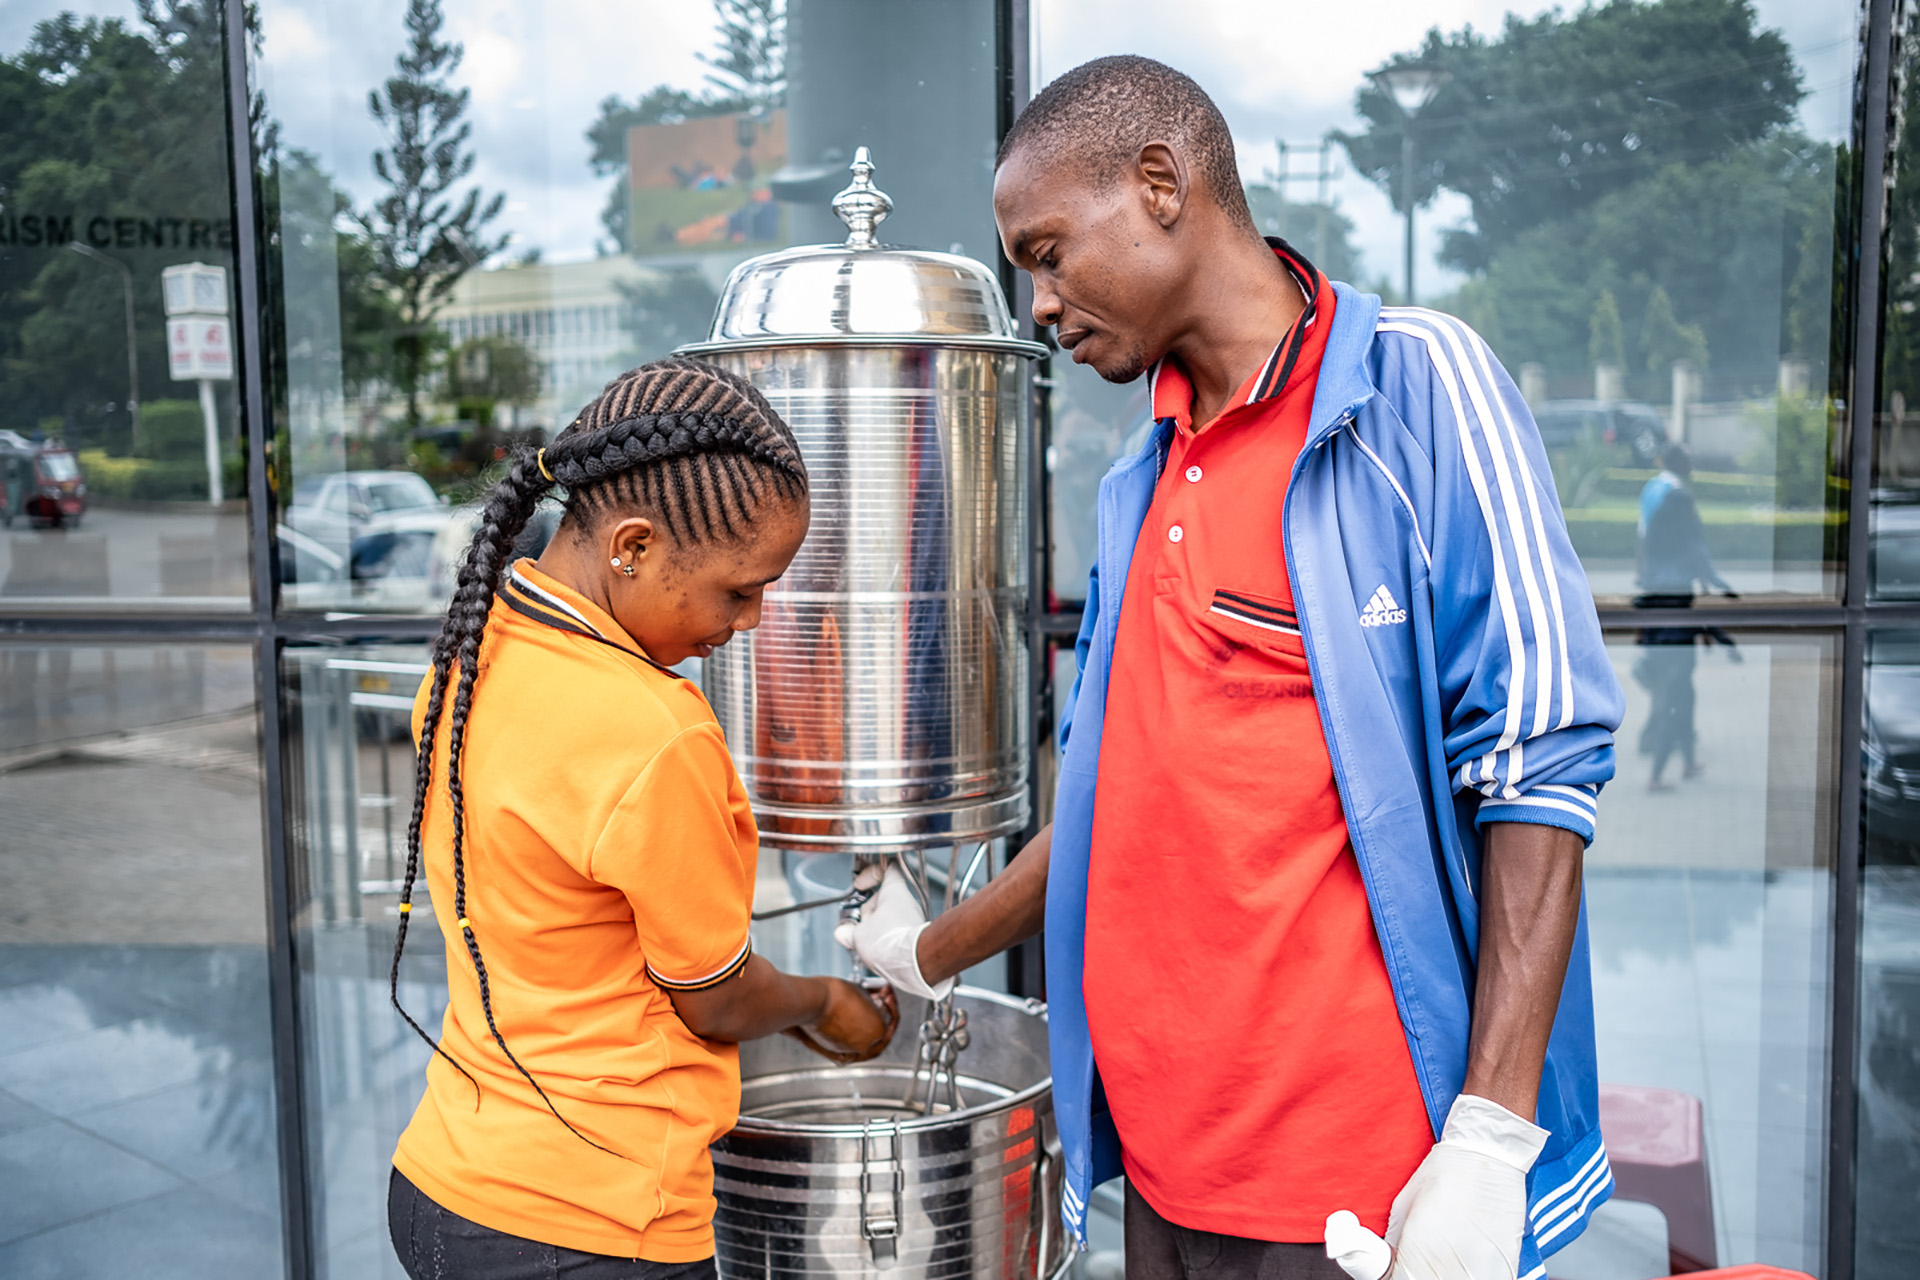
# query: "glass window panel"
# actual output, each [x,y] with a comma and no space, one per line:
[351,773]
[137,1114]
[1709,895]
[1895,554]
[121,481]
[617,184]
[1887,1236]
[1652,266]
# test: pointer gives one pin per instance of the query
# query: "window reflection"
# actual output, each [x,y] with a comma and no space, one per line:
[1708,898]
[120,459]
[1634,204]
[1894,565]
[582,224]
[137,1113]
[1888,1173]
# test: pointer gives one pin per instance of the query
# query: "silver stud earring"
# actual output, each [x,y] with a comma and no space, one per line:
[624,568]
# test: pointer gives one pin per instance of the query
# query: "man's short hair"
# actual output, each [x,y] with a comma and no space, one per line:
[1102,112]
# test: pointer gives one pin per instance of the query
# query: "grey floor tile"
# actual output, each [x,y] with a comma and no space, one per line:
[55,1174]
[188,1234]
[110,1064]
[16,1114]
[197,1130]
[255,1187]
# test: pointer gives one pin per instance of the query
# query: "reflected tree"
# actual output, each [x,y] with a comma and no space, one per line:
[424,237]
[748,73]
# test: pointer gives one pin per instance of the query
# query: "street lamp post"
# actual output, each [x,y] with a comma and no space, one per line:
[1411,85]
[133,352]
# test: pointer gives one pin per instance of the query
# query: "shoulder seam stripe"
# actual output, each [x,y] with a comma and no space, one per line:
[1509,739]
[1418,537]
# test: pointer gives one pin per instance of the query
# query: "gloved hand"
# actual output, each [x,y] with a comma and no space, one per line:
[887,933]
[1461,1215]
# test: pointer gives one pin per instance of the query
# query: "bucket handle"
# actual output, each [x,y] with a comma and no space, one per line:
[880,1224]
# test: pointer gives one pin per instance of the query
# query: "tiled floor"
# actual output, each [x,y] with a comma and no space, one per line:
[136,1116]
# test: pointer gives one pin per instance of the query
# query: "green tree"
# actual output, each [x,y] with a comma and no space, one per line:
[483,373]
[1720,238]
[751,61]
[114,120]
[423,238]
[1605,345]
[1664,340]
[1558,111]
[1902,351]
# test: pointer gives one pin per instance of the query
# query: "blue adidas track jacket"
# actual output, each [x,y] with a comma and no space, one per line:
[1461,680]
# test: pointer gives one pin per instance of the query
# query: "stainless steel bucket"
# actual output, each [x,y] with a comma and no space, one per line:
[882,703]
[830,1175]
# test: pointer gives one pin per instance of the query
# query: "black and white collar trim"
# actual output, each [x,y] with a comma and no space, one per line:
[530,600]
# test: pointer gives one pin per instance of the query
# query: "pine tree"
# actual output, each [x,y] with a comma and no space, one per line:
[751,61]
[1606,346]
[424,240]
[1664,340]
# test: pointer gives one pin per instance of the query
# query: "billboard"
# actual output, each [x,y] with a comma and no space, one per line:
[701,184]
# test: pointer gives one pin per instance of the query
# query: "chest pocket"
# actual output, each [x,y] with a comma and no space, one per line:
[1259,621]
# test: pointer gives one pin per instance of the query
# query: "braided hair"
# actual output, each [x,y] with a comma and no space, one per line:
[694,448]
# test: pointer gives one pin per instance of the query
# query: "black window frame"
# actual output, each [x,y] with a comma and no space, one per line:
[269,632]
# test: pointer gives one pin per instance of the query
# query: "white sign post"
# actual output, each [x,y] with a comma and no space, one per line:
[200,345]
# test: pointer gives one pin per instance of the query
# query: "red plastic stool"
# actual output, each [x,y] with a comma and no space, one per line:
[1656,1144]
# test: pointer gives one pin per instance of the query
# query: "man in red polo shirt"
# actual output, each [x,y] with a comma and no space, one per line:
[1261,1062]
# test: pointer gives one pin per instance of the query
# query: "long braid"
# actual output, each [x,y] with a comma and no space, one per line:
[700,449]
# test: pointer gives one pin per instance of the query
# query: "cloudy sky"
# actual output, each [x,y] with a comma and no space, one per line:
[539,68]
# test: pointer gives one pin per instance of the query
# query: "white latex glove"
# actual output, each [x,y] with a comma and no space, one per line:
[888,933]
[1461,1215]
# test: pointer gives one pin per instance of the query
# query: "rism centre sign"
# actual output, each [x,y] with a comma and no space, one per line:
[114,231]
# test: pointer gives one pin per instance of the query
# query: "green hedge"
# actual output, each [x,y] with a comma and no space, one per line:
[173,431]
[155,479]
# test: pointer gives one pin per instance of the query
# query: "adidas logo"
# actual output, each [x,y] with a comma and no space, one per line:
[1381,610]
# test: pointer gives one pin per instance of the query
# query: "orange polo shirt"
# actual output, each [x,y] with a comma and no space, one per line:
[1241,1013]
[609,858]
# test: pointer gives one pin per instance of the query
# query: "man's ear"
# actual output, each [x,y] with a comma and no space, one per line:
[1162,174]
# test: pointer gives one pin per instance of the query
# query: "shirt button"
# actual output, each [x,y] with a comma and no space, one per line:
[1193,475]
[1176,533]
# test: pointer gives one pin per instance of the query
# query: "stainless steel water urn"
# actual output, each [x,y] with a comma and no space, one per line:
[882,703]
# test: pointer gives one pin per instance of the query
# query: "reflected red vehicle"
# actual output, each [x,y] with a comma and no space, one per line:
[40,481]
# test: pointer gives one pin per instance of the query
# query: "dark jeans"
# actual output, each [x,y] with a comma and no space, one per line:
[438,1244]
[1159,1250]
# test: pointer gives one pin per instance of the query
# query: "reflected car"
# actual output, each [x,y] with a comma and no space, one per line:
[1893,742]
[1893,546]
[312,574]
[1636,429]
[340,506]
[41,480]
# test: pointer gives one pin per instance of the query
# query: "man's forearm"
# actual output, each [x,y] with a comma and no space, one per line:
[1529,908]
[1008,911]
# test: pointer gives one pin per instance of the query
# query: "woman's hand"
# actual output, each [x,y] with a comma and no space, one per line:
[854,1024]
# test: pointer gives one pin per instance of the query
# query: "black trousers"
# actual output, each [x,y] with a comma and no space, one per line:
[1159,1250]
[438,1244]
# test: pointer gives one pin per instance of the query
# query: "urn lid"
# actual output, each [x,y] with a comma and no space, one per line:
[862,293]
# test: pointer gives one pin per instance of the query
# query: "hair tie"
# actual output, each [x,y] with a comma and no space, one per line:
[540,460]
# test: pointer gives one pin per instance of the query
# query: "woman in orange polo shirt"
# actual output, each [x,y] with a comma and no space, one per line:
[591,853]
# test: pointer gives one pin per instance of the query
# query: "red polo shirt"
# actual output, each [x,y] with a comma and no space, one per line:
[1241,1014]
